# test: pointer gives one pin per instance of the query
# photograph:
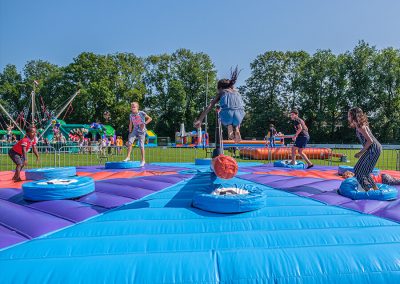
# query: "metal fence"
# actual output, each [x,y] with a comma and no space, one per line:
[74,155]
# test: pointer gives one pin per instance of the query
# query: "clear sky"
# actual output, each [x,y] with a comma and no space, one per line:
[232,32]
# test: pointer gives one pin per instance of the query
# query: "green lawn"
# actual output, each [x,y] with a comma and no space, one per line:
[389,158]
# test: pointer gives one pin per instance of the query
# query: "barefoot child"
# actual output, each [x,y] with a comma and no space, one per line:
[137,130]
[300,138]
[232,107]
[18,153]
[369,154]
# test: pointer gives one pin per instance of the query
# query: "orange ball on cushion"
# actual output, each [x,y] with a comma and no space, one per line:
[224,167]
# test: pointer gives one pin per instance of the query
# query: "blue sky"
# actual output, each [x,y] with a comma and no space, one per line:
[232,32]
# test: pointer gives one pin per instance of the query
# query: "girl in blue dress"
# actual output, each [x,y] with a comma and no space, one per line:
[232,107]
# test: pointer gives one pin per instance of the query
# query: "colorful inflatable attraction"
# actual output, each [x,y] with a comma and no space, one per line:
[284,153]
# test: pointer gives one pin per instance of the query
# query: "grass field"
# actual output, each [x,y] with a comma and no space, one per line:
[390,159]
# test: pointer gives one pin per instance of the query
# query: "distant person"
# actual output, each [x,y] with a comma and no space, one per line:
[232,107]
[369,154]
[19,152]
[9,132]
[119,143]
[271,135]
[300,138]
[137,131]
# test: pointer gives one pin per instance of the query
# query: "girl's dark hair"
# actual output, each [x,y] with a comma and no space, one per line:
[229,83]
[358,117]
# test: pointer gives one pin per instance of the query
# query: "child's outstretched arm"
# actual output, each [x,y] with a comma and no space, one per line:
[35,151]
[198,122]
[24,155]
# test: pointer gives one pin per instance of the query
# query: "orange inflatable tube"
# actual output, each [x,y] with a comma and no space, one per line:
[285,153]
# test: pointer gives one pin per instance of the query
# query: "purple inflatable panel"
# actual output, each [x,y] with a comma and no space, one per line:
[105,200]
[27,221]
[9,237]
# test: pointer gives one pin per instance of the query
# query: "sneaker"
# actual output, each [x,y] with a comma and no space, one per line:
[142,163]
[310,166]
[127,160]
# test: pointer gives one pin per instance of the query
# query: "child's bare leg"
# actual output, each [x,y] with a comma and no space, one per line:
[231,135]
[294,155]
[128,155]
[238,137]
[305,158]
[142,153]
[17,173]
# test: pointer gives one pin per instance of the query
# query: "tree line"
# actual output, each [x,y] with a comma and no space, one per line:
[173,88]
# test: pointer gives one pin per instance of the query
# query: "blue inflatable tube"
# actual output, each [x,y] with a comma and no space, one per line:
[343,169]
[203,162]
[287,164]
[349,188]
[122,165]
[53,189]
[254,200]
[49,173]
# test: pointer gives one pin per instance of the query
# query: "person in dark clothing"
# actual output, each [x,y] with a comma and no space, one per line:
[271,135]
[300,138]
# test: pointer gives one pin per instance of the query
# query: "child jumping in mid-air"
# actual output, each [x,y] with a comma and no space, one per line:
[369,154]
[18,153]
[232,107]
[137,130]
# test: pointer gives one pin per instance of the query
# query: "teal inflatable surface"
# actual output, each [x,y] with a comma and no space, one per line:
[349,188]
[288,164]
[49,173]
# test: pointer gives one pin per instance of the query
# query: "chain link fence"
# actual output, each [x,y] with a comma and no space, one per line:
[74,155]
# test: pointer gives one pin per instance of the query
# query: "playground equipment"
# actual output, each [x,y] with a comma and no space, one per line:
[342,169]
[68,131]
[288,164]
[49,173]
[122,165]
[53,189]
[195,138]
[232,200]
[284,153]
[349,188]
[151,139]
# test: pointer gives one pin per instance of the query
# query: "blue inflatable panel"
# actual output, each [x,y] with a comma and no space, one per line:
[287,164]
[122,165]
[349,188]
[343,169]
[49,173]
[254,200]
[52,189]
[202,162]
